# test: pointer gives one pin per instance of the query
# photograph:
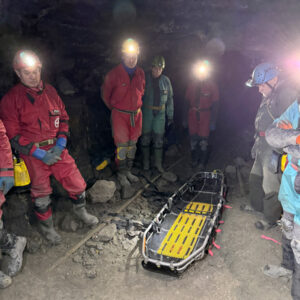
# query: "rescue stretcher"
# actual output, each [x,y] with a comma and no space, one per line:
[185,227]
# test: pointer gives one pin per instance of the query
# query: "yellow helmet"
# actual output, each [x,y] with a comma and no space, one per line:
[130,46]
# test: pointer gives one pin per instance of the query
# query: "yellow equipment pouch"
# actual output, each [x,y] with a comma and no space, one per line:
[284,162]
[21,174]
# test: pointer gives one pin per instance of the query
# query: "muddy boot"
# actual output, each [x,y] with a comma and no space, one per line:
[146,158]
[158,155]
[132,178]
[264,225]
[194,158]
[126,190]
[46,229]
[5,280]
[276,271]
[12,247]
[81,212]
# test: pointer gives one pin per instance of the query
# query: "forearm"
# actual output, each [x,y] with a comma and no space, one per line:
[280,138]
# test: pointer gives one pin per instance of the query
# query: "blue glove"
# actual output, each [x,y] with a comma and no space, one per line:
[47,157]
[6,183]
[61,144]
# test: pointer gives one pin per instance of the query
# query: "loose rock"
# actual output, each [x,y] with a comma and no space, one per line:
[102,191]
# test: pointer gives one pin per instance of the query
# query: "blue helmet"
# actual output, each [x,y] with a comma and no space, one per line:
[262,73]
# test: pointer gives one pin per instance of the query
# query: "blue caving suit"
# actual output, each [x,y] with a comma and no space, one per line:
[288,195]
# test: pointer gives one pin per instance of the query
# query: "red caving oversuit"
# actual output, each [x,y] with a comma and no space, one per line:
[6,163]
[201,95]
[31,116]
[122,93]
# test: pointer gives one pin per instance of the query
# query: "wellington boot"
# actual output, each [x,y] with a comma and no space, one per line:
[194,158]
[146,158]
[46,229]
[87,218]
[123,178]
[158,155]
[132,178]
[264,225]
[5,280]
[13,258]
[276,271]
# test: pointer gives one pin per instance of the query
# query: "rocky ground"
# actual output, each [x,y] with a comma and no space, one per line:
[108,266]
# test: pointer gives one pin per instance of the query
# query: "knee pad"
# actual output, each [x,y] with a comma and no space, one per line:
[131,152]
[158,140]
[42,204]
[295,244]
[121,152]
[146,139]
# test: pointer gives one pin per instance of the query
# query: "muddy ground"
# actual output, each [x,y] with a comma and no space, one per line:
[111,268]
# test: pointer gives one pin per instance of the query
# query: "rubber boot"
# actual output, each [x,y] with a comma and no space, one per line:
[12,246]
[123,178]
[194,158]
[158,155]
[202,159]
[287,266]
[81,212]
[295,291]
[5,280]
[146,158]
[46,229]
[132,178]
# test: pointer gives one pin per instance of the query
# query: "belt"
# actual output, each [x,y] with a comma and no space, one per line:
[45,143]
[162,107]
[131,113]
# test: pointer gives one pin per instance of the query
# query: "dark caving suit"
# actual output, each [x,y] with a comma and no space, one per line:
[157,102]
[264,183]
[289,192]
[34,119]
[122,94]
[203,97]
[10,244]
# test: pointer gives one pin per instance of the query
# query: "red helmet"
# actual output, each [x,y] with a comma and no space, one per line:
[26,59]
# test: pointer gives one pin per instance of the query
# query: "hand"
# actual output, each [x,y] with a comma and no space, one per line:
[51,157]
[6,183]
[48,157]
[284,125]
[56,150]
[61,144]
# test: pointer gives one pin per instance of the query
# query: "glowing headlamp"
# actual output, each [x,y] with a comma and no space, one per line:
[202,69]
[130,46]
[28,59]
